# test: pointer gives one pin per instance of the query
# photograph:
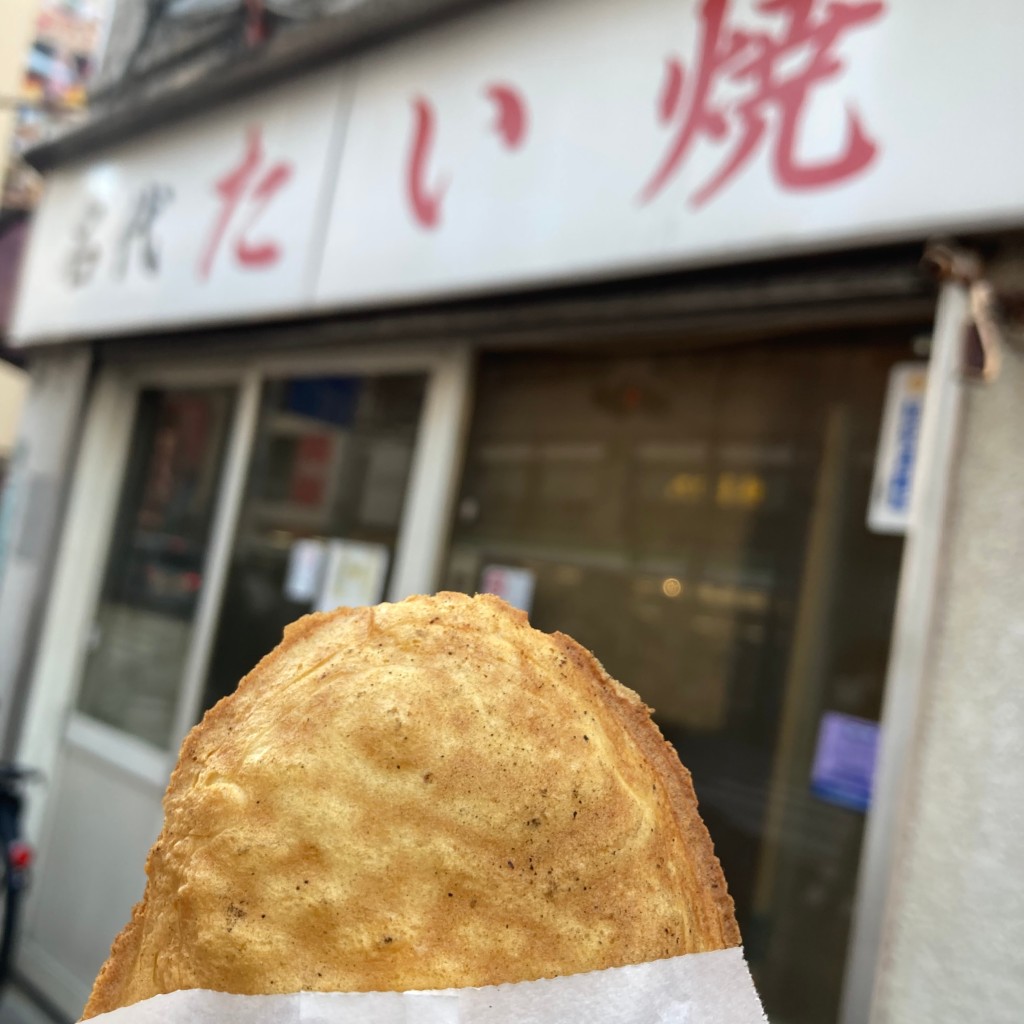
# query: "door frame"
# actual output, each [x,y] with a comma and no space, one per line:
[51,717]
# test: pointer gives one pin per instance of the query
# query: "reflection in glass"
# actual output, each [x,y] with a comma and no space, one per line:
[324,499]
[155,569]
[699,522]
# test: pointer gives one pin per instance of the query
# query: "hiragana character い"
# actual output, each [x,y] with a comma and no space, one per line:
[425,200]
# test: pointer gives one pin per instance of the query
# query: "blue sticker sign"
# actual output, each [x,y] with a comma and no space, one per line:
[896,460]
[844,760]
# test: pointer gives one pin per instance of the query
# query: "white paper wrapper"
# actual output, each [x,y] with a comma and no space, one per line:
[702,988]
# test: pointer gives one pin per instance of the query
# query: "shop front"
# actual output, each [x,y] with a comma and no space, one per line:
[439,318]
[697,517]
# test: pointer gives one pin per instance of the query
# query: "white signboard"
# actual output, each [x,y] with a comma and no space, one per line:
[547,142]
[560,141]
[893,486]
[214,220]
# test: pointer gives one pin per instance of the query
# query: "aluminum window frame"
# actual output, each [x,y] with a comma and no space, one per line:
[51,717]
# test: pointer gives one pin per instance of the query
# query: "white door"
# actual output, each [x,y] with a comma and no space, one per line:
[211,506]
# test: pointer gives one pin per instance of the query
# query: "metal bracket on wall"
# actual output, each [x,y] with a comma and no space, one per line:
[990,327]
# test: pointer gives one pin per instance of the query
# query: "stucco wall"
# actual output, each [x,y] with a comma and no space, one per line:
[954,950]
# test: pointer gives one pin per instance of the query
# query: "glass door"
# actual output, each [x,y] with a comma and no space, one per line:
[132,578]
[155,568]
[211,506]
[698,520]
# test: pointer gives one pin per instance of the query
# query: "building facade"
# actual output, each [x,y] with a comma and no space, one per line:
[632,314]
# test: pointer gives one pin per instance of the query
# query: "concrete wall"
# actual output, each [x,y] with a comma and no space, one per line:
[954,945]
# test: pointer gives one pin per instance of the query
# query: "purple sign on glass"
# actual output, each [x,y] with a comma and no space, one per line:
[844,760]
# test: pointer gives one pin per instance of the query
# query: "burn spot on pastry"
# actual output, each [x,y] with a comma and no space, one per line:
[234,915]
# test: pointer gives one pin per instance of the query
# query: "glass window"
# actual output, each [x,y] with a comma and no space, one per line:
[155,568]
[323,504]
[699,522]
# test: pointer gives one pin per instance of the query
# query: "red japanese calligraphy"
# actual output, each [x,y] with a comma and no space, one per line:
[776,94]
[424,199]
[425,202]
[233,188]
[510,122]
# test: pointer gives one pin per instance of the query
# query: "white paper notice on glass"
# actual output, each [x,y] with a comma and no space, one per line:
[510,583]
[305,569]
[354,574]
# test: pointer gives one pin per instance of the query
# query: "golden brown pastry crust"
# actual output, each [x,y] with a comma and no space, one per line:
[427,794]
